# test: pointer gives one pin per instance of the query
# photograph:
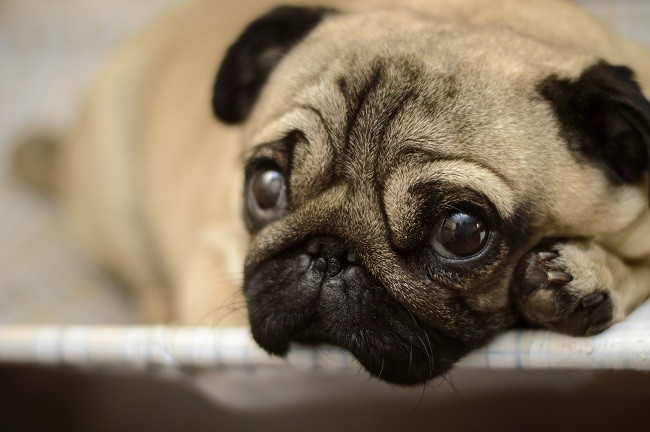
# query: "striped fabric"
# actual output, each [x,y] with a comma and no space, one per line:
[624,346]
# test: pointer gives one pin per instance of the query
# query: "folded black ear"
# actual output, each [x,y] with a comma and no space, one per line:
[604,116]
[250,60]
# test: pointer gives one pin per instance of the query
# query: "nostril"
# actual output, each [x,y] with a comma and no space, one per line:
[331,248]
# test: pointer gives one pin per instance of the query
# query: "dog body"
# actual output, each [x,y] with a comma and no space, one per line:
[415,175]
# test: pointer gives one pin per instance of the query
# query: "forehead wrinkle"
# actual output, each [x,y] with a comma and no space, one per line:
[321,118]
[356,99]
[325,151]
[357,111]
[270,149]
[388,87]
[460,172]
[410,151]
[303,118]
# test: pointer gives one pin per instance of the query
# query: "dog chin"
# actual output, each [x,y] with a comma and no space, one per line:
[317,292]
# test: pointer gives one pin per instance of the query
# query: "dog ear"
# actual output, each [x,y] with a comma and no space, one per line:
[250,60]
[604,116]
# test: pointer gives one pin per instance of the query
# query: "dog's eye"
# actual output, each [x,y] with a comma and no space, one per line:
[267,195]
[459,235]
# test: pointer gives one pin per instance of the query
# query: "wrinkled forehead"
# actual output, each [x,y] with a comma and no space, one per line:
[383,119]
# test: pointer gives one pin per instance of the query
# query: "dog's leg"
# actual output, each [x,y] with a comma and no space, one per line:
[577,287]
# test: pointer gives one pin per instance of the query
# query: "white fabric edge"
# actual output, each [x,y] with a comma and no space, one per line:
[624,346]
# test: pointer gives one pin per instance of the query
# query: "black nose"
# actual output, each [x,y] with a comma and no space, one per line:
[330,248]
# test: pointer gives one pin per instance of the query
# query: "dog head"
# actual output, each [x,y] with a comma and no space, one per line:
[398,167]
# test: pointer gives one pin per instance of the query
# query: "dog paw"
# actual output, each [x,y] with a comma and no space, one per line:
[559,286]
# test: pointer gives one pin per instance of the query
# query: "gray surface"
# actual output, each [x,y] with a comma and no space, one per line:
[48,52]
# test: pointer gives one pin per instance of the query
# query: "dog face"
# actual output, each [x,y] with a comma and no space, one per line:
[398,168]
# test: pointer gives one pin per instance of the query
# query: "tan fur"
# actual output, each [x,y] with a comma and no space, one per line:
[154,181]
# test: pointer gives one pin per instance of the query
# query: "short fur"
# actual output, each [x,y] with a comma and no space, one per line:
[382,118]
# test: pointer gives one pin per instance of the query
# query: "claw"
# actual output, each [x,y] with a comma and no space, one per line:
[592,300]
[558,277]
[547,256]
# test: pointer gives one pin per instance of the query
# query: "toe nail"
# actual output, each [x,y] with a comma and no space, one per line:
[558,277]
[592,300]
[546,256]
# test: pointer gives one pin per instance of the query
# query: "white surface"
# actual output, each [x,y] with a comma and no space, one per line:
[624,346]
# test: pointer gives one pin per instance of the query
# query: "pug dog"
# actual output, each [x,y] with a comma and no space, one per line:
[408,178]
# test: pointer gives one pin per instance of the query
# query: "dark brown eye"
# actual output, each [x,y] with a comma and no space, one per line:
[267,195]
[459,235]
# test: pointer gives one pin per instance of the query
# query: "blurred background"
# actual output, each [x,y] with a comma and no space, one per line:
[49,52]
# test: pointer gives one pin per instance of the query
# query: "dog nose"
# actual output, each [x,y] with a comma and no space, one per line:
[332,248]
